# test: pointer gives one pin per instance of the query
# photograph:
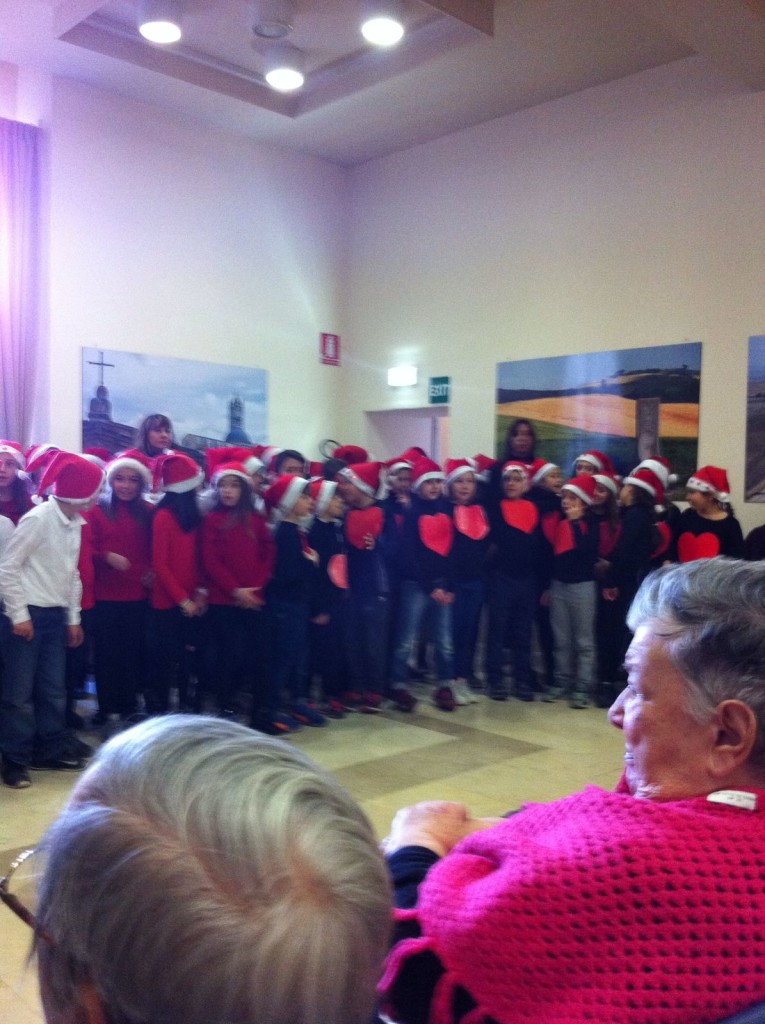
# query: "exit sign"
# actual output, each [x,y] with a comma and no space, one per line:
[438,390]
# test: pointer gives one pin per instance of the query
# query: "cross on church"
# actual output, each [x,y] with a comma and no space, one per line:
[100,365]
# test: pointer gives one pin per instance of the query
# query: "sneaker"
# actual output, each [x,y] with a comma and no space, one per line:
[553,694]
[307,714]
[15,775]
[277,724]
[580,700]
[371,703]
[444,699]
[525,693]
[463,695]
[333,709]
[402,699]
[498,692]
[351,700]
[79,748]
[65,763]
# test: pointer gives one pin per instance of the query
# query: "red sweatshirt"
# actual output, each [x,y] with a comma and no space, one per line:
[175,561]
[125,536]
[235,554]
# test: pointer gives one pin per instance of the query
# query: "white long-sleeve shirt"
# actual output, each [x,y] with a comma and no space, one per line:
[39,564]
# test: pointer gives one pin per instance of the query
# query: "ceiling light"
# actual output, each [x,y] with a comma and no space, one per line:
[382,24]
[273,19]
[159,21]
[284,68]
[402,376]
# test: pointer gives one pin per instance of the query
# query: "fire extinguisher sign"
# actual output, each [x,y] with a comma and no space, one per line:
[329,349]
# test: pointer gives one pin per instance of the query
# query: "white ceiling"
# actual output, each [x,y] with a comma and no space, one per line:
[359,104]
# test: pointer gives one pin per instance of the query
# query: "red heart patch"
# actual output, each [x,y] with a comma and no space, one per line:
[471,521]
[362,522]
[550,522]
[436,533]
[664,536]
[691,547]
[337,570]
[564,538]
[521,514]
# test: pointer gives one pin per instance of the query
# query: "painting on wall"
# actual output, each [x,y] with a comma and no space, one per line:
[209,404]
[629,403]
[754,484]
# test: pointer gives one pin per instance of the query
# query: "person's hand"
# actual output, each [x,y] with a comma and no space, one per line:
[247,597]
[441,596]
[118,562]
[544,599]
[321,620]
[311,555]
[610,593]
[191,609]
[369,542]
[24,630]
[438,825]
[74,636]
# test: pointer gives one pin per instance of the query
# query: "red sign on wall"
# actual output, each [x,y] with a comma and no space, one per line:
[329,349]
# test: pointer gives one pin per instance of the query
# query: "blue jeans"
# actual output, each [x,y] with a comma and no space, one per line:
[288,622]
[366,640]
[466,612]
[414,603]
[33,709]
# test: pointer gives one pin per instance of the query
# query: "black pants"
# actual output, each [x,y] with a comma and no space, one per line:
[120,653]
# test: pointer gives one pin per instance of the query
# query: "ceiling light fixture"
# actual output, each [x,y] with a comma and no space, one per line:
[284,67]
[273,19]
[159,21]
[382,22]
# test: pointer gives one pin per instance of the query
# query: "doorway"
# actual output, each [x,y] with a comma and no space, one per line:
[392,431]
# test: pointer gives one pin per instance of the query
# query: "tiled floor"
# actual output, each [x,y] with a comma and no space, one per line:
[491,756]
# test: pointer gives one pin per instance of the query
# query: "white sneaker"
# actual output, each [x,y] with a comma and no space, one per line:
[462,693]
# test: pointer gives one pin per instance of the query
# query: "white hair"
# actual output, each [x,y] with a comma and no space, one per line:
[202,873]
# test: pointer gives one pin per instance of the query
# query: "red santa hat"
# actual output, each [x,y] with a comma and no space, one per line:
[322,492]
[423,470]
[648,481]
[281,496]
[582,486]
[38,457]
[661,468]
[394,466]
[540,468]
[599,460]
[456,468]
[14,449]
[364,475]
[231,469]
[269,454]
[102,454]
[514,466]
[176,473]
[315,470]
[483,466]
[350,453]
[711,480]
[131,459]
[247,457]
[71,478]
[609,480]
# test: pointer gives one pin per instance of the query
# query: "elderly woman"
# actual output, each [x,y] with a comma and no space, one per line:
[642,905]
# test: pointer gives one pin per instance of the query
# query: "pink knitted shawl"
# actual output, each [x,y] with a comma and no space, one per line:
[598,907]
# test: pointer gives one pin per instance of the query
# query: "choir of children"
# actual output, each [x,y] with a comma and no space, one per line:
[313,595]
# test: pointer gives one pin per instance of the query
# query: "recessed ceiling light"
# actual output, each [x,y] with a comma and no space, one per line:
[383,23]
[284,68]
[159,21]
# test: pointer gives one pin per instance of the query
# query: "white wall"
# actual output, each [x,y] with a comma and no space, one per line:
[627,215]
[171,238]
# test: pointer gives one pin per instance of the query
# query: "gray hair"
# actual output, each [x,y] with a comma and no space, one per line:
[206,874]
[718,608]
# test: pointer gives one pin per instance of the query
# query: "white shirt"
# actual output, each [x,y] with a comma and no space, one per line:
[39,564]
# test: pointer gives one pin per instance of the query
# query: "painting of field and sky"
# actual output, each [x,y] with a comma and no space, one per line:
[755,421]
[630,403]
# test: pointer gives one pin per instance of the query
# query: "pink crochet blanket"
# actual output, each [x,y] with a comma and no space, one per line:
[599,907]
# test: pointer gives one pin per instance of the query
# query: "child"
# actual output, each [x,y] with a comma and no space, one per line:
[238,557]
[468,557]
[287,600]
[592,462]
[14,500]
[709,527]
[546,484]
[573,594]
[608,628]
[120,527]
[41,588]
[519,576]
[177,596]
[328,597]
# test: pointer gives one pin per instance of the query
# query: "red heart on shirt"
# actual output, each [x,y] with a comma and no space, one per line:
[664,538]
[691,547]
[564,538]
[337,570]
[550,522]
[520,514]
[436,533]
[363,522]
[471,521]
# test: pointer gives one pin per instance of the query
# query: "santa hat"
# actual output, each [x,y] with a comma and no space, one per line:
[609,480]
[315,470]
[661,468]
[350,453]
[14,448]
[38,457]
[269,454]
[423,470]
[247,457]
[131,459]
[284,492]
[176,473]
[513,466]
[648,481]
[456,468]
[599,460]
[395,466]
[483,466]
[71,478]
[582,486]
[103,454]
[231,469]
[540,468]
[364,475]
[322,492]
[711,480]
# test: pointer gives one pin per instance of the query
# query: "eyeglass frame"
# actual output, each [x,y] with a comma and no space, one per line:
[14,903]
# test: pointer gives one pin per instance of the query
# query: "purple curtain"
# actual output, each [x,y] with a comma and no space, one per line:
[19,276]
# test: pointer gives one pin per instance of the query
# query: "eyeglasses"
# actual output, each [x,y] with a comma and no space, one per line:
[14,903]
